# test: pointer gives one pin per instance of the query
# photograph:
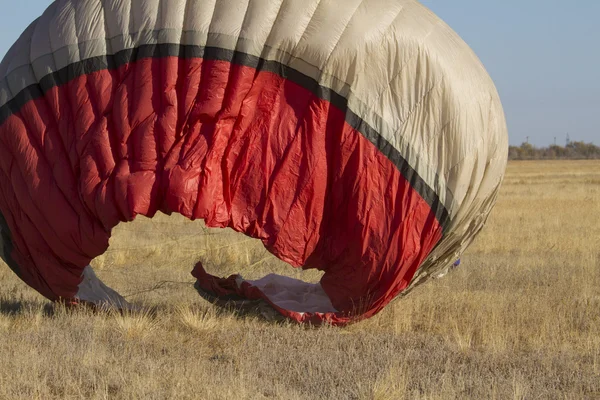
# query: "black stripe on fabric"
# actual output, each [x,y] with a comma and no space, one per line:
[96,64]
[7,246]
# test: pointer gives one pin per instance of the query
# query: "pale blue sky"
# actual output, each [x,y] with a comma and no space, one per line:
[544,56]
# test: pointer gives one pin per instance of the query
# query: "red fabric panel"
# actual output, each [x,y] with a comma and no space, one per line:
[239,148]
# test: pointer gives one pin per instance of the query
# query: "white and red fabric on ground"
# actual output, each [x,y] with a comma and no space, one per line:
[301,138]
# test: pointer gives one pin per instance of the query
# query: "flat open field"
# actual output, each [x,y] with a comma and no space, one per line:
[519,319]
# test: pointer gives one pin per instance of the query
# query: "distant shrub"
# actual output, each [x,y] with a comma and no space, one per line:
[572,151]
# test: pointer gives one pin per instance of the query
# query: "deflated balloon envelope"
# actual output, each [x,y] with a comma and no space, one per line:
[360,138]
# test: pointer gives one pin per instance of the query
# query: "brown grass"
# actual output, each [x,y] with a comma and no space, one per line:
[520,319]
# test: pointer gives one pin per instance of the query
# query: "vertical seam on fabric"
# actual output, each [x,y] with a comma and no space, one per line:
[293,51]
[344,32]
[271,29]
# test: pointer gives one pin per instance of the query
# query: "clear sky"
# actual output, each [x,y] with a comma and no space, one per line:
[544,56]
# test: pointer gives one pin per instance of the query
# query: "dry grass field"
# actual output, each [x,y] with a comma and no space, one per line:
[519,319]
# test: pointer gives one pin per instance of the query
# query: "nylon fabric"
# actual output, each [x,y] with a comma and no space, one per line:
[361,138]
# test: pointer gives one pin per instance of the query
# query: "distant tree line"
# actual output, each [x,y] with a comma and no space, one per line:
[572,151]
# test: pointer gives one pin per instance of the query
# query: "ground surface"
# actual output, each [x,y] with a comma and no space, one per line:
[520,318]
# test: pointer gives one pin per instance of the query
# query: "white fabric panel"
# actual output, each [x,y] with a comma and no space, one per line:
[227,23]
[94,291]
[294,294]
[17,73]
[171,16]
[90,31]
[197,22]
[291,23]
[258,22]
[63,35]
[41,60]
